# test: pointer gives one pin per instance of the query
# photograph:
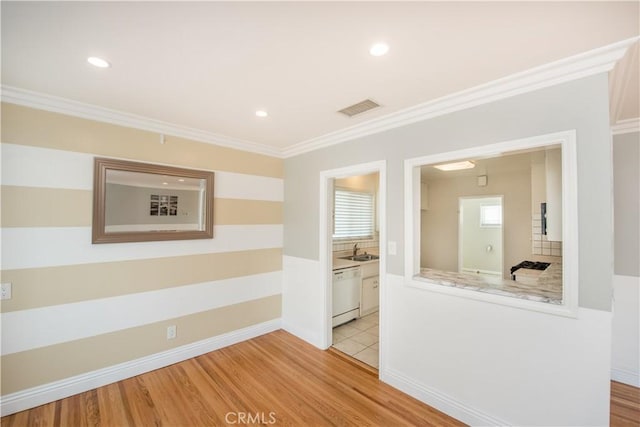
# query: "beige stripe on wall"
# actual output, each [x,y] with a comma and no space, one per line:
[240,212]
[45,207]
[42,287]
[25,208]
[55,207]
[47,364]
[28,126]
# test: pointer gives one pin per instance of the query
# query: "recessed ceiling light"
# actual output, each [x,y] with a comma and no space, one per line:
[261,113]
[181,179]
[456,166]
[98,62]
[379,49]
[165,183]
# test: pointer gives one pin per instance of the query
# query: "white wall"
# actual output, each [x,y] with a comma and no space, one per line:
[625,363]
[488,364]
[478,361]
[625,348]
[302,300]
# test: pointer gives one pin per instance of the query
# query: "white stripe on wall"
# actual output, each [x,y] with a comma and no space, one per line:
[230,185]
[27,166]
[28,329]
[32,247]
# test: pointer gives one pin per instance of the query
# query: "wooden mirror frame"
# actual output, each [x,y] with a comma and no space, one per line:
[98,234]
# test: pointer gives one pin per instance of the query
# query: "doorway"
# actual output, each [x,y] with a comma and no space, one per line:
[480,235]
[354,333]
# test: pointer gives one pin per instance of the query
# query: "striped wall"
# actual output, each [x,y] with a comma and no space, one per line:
[78,307]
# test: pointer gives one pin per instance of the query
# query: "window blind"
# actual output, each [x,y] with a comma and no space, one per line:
[353,215]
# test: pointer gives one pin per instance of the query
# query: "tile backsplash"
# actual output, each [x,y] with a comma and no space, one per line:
[539,243]
[346,245]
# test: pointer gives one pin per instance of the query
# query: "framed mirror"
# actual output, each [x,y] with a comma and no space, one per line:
[137,202]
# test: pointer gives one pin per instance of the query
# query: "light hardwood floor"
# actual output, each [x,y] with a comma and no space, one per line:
[275,377]
[625,405]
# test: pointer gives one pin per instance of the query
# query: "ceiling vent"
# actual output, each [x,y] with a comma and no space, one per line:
[359,108]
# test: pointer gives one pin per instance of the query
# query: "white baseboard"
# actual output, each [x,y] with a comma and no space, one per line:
[626,377]
[56,390]
[438,400]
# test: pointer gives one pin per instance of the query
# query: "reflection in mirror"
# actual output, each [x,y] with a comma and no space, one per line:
[150,202]
[138,202]
[494,224]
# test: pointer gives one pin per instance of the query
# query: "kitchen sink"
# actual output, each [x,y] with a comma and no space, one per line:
[365,257]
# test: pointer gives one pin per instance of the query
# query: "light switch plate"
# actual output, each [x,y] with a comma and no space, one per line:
[392,248]
[6,291]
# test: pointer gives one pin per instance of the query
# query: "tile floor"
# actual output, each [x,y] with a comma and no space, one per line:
[359,339]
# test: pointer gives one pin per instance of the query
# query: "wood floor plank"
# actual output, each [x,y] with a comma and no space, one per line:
[139,405]
[274,377]
[625,405]
[112,406]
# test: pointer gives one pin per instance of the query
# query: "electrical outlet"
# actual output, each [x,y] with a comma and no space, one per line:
[172,332]
[6,291]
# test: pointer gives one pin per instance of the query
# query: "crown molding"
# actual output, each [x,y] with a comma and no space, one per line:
[574,67]
[57,104]
[626,126]
[619,79]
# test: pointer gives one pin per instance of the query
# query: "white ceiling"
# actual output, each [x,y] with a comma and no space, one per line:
[211,65]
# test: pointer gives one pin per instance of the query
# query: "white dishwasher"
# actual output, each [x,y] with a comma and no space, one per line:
[346,295]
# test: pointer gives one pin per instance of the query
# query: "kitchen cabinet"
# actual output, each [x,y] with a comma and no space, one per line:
[370,297]
[370,269]
[370,289]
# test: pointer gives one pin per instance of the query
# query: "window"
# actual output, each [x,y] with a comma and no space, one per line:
[490,216]
[353,215]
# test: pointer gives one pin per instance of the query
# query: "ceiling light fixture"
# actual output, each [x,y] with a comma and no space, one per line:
[261,113]
[98,62]
[456,166]
[379,49]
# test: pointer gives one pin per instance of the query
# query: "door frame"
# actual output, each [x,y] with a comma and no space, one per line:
[460,226]
[326,240]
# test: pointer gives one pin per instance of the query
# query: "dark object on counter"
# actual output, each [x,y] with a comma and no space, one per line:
[531,265]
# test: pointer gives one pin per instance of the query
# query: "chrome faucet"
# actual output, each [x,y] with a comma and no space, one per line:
[355,250]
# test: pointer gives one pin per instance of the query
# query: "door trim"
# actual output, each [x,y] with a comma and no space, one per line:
[326,239]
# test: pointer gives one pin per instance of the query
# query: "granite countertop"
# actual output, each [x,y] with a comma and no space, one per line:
[548,287]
